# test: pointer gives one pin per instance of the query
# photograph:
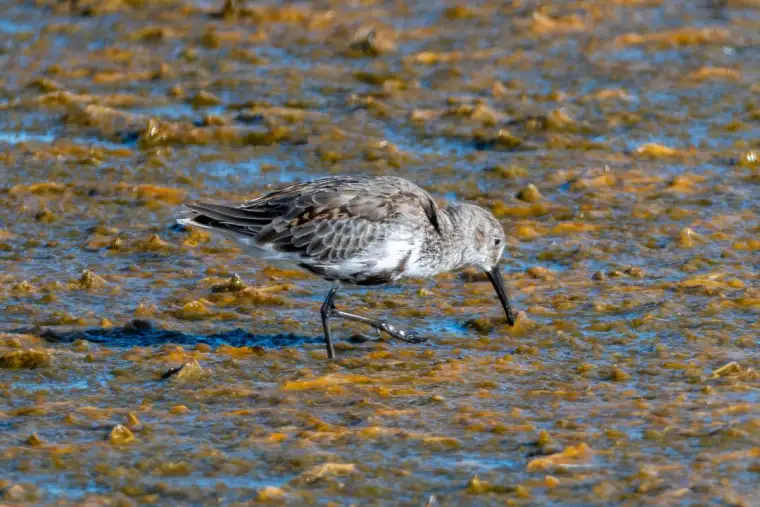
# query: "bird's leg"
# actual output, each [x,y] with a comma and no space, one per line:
[327,311]
[399,334]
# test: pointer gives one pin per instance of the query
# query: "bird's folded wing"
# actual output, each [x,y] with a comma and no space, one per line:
[326,220]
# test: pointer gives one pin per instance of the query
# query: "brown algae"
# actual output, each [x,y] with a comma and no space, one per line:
[141,363]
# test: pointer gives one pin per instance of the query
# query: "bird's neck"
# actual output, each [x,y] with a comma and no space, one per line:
[445,248]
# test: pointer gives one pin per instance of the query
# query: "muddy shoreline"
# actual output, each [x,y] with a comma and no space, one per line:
[617,142]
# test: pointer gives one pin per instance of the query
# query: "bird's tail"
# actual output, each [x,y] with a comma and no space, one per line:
[193,219]
[222,218]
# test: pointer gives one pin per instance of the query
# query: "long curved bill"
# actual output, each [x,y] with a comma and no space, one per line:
[498,284]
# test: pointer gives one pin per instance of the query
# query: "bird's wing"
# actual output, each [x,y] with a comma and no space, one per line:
[326,220]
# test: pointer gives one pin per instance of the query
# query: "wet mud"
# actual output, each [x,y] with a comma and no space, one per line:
[617,142]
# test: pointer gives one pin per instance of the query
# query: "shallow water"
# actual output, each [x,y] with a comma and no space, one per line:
[630,378]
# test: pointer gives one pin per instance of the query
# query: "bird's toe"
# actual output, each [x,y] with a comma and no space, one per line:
[415,338]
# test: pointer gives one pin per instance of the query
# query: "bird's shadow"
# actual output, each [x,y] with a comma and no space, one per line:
[141,333]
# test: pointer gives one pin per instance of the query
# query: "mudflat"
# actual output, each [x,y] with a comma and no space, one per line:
[617,143]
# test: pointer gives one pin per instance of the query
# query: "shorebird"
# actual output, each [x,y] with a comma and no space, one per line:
[362,230]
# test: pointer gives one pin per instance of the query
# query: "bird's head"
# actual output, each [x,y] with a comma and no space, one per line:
[483,240]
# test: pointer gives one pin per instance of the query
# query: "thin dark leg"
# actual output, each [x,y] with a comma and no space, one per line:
[327,311]
[399,334]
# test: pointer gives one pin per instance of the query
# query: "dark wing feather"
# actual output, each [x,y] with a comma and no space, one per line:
[326,220]
[431,212]
[229,214]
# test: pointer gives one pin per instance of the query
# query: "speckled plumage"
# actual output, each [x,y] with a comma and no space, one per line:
[361,230]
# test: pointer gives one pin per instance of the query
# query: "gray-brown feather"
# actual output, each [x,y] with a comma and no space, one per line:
[325,220]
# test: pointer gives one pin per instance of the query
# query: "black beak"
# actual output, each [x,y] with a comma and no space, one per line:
[498,284]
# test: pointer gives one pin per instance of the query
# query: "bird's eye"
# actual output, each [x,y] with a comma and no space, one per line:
[497,242]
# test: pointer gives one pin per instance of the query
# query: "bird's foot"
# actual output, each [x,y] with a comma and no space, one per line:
[400,334]
[413,337]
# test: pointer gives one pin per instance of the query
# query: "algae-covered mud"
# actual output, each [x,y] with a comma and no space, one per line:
[617,141]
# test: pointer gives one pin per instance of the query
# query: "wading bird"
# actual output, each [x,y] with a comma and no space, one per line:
[362,230]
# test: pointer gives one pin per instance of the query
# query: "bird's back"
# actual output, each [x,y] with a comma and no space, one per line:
[330,225]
